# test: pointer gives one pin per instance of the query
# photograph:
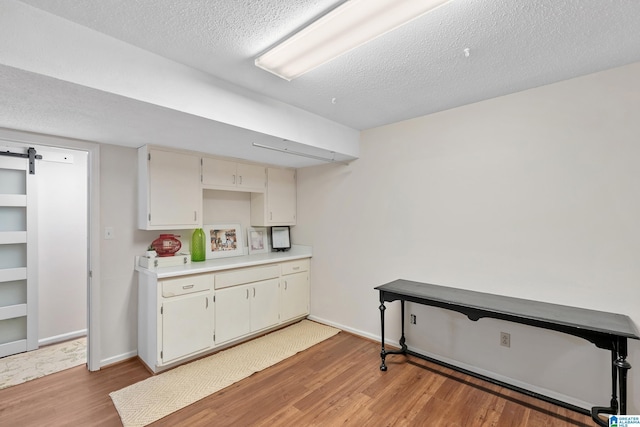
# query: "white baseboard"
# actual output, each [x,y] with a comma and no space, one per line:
[358,332]
[343,327]
[63,337]
[549,393]
[117,358]
[517,383]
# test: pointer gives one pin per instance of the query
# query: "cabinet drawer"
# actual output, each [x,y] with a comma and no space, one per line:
[292,267]
[186,285]
[246,275]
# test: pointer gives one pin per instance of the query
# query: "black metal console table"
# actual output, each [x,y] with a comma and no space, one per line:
[608,331]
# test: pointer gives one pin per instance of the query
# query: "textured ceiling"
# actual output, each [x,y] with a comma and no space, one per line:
[418,69]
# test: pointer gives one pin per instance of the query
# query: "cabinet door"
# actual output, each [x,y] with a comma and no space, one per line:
[295,296]
[278,205]
[219,173]
[281,196]
[174,194]
[264,304]
[186,326]
[251,177]
[232,313]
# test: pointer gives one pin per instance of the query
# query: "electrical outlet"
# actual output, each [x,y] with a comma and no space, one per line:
[413,319]
[505,339]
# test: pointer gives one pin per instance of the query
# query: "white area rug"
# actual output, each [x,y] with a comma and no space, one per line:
[147,401]
[24,367]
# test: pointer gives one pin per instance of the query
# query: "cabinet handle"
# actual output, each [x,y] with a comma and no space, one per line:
[247,293]
[296,268]
[195,215]
[254,292]
[206,299]
[187,287]
[270,215]
[285,285]
[234,179]
[240,179]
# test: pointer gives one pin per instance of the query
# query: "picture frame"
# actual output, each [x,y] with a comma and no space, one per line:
[281,238]
[223,240]
[257,239]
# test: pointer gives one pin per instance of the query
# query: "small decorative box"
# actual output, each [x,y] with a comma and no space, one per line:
[166,261]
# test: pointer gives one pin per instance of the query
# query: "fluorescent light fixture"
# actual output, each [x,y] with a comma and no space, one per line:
[346,27]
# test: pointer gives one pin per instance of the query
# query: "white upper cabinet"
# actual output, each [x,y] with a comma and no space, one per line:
[170,194]
[170,185]
[226,175]
[278,205]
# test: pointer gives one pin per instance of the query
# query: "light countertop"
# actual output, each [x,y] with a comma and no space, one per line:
[210,265]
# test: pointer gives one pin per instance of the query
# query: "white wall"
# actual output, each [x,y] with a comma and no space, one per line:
[119,289]
[532,195]
[226,207]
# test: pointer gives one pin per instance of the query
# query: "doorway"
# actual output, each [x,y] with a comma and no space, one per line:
[62,176]
[67,244]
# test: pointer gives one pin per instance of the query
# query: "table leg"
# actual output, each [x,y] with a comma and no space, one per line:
[403,346]
[619,368]
[383,353]
[622,367]
[612,409]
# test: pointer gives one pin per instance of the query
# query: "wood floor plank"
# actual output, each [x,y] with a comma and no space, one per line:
[72,397]
[337,382]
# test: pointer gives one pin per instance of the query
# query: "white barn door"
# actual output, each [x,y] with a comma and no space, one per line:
[18,256]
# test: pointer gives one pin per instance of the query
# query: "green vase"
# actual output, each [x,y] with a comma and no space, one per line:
[198,245]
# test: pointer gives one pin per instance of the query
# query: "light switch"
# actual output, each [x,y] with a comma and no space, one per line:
[109,233]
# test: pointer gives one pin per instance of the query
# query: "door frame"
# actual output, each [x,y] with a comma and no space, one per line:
[93,224]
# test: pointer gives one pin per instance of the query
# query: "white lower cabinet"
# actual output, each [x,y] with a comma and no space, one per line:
[189,315]
[265,305]
[233,317]
[295,296]
[186,325]
[175,318]
[243,309]
[294,289]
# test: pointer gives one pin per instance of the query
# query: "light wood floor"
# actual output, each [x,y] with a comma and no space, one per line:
[337,382]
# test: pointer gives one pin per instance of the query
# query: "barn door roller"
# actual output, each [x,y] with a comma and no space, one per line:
[31,154]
